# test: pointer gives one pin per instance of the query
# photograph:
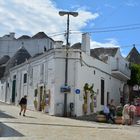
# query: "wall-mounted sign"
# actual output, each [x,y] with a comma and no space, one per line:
[77,91]
[65,89]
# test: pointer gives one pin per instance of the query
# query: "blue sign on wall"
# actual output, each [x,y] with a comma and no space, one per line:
[77,91]
[64,89]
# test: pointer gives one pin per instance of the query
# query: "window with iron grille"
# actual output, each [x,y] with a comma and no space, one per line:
[25,78]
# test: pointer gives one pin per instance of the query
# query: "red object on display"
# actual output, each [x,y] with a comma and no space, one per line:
[137,104]
[138,110]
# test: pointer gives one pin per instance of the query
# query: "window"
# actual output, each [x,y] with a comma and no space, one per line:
[102,92]
[14,77]
[25,78]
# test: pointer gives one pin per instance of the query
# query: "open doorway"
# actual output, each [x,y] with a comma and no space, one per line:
[13,89]
[40,98]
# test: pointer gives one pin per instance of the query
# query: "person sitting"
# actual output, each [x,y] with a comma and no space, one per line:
[106,112]
[112,108]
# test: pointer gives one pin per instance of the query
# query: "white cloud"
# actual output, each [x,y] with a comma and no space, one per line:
[111,42]
[131,3]
[32,16]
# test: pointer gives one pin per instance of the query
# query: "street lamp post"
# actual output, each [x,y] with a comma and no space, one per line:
[75,14]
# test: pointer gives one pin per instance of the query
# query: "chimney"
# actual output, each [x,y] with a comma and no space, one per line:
[86,43]
[58,44]
[12,35]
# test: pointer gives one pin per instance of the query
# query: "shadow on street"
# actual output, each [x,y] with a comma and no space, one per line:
[4,115]
[64,125]
[30,117]
[6,131]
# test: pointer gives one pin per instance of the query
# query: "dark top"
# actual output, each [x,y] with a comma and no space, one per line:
[23,101]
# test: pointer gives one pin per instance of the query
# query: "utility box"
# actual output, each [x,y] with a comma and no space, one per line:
[59,109]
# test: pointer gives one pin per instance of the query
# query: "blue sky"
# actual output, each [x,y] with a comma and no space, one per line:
[31,16]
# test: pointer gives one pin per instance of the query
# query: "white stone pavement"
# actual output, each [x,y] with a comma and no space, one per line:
[40,126]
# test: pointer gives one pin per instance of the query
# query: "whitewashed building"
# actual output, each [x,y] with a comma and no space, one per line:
[33,44]
[43,75]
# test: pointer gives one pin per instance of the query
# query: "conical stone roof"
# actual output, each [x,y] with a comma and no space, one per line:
[20,56]
[4,59]
[134,56]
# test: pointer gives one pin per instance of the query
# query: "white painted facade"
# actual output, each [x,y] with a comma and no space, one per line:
[47,72]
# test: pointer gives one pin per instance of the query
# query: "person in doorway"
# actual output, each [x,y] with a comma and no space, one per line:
[23,105]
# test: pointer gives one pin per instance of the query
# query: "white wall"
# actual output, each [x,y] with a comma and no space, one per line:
[80,71]
[33,46]
[91,75]
[79,75]
[2,91]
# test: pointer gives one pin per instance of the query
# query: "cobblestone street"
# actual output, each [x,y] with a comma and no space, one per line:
[40,126]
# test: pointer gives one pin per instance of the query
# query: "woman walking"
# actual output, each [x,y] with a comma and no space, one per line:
[23,105]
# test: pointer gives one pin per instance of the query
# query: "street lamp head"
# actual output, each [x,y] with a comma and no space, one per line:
[62,13]
[75,14]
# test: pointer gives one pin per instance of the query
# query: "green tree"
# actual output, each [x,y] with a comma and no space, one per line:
[134,80]
[135,75]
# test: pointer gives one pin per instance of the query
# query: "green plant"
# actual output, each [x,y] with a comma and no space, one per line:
[119,111]
[35,104]
[100,112]
[88,90]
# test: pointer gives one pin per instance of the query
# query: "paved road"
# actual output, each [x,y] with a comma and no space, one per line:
[40,126]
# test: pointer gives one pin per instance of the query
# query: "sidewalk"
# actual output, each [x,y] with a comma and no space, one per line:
[40,126]
[92,118]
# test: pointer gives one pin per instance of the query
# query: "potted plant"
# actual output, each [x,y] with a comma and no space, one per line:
[85,98]
[101,117]
[92,103]
[35,100]
[118,119]
[92,98]
[35,104]
[88,89]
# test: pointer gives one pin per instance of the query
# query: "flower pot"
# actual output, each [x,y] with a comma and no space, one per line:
[118,120]
[101,118]
[91,107]
[85,108]
[35,104]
